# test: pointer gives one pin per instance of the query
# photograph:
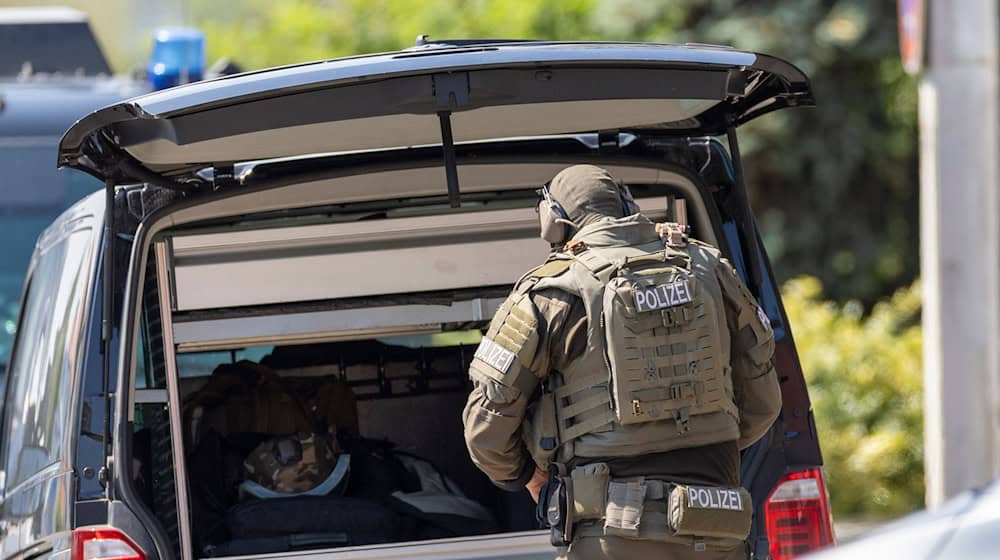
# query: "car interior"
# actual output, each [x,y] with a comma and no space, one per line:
[258,307]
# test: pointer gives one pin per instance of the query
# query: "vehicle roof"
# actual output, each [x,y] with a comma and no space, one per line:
[47,106]
[90,206]
[41,14]
[171,130]
[49,39]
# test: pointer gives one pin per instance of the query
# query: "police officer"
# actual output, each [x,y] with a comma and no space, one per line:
[619,381]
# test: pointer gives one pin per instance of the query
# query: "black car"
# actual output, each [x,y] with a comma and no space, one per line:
[358,219]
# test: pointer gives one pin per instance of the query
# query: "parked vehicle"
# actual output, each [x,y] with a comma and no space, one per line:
[52,73]
[357,220]
[965,527]
[43,90]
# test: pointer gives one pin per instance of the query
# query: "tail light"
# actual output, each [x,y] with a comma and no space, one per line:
[797,514]
[103,543]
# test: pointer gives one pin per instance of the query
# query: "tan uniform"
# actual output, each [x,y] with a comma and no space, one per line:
[551,335]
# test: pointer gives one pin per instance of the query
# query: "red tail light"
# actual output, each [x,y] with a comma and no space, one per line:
[798,515]
[102,543]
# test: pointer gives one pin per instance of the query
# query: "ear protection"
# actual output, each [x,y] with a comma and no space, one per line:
[555,222]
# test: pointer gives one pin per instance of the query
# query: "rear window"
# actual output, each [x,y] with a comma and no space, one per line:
[36,414]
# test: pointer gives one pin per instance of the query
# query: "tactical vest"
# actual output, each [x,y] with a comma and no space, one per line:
[656,373]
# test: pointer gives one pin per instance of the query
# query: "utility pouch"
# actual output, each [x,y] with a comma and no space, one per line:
[541,434]
[709,512]
[556,506]
[590,491]
[548,439]
[623,512]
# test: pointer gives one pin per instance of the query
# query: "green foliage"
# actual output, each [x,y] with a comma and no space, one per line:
[835,187]
[274,33]
[865,381]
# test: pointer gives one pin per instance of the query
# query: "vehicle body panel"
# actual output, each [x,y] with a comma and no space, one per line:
[965,527]
[39,509]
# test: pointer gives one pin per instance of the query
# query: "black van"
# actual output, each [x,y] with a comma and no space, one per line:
[357,220]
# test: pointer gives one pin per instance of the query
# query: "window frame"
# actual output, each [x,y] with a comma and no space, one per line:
[73,345]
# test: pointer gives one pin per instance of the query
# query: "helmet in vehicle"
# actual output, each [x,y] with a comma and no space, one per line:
[295,464]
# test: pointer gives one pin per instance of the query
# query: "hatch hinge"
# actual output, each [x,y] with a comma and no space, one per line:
[451,92]
[120,168]
[739,84]
[223,176]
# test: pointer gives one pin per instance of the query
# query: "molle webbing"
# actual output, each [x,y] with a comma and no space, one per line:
[658,357]
[593,422]
[505,352]
[591,409]
[671,369]
[583,402]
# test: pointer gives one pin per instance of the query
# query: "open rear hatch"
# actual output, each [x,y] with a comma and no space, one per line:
[432,96]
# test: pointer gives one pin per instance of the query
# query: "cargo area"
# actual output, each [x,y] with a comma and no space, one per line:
[408,475]
[299,379]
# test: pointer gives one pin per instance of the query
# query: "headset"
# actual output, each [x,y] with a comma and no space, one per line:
[555,222]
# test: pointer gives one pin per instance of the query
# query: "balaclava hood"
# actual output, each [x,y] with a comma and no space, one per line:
[587,193]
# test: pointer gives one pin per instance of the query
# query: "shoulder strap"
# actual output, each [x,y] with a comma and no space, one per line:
[555,265]
[599,266]
[676,258]
[603,268]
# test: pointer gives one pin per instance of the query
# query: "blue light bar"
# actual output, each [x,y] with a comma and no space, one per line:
[178,57]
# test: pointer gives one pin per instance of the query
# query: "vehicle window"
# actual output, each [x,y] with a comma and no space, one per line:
[143,367]
[201,364]
[36,413]
[32,194]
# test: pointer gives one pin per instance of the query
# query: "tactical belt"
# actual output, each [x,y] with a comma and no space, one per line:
[589,502]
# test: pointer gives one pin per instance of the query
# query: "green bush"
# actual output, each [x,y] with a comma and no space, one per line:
[865,380]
